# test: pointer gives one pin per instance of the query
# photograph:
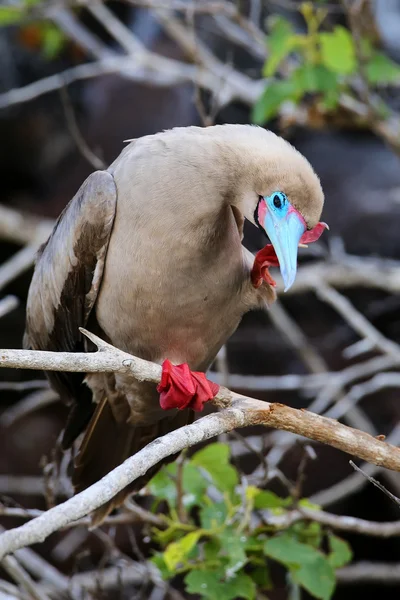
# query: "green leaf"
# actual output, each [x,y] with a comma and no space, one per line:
[281,41]
[340,554]
[233,545]
[317,577]
[158,561]
[269,102]
[194,485]
[9,15]
[214,458]
[214,515]
[309,567]
[305,503]
[52,42]
[211,550]
[163,487]
[330,100]
[337,51]
[267,500]
[315,78]
[287,550]
[262,577]
[380,69]
[213,585]
[177,553]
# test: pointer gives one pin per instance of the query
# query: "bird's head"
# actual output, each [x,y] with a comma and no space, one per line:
[282,195]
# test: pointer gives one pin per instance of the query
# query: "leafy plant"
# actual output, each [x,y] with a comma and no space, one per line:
[321,63]
[213,540]
[41,34]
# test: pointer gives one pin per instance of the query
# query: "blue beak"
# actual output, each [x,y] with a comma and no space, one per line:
[285,232]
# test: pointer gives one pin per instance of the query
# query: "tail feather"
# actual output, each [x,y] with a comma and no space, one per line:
[107,443]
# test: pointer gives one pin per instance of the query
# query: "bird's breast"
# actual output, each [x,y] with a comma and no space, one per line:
[181,308]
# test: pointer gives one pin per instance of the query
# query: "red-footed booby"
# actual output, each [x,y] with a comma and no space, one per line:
[149,256]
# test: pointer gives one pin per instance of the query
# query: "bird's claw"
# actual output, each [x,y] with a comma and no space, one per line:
[182,388]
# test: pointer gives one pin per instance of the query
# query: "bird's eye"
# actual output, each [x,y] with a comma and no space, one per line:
[278,201]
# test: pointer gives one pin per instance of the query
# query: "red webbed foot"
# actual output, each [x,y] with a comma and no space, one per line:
[264,259]
[182,388]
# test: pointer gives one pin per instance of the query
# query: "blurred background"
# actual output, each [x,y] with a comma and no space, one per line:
[77,78]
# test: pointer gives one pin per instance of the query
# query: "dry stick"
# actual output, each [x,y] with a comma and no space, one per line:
[369,572]
[24,386]
[377,484]
[8,304]
[353,483]
[18,264]
[34,401]
[95,161]
[296,338]
[11,565]
[359,323]
[22,228]
[239,411]
[339,522]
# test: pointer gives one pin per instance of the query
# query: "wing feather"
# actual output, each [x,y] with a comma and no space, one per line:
[66,282]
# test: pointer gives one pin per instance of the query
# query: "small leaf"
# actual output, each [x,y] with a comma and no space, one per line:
[317,577]
[267,500]
[262,577]
[337,51]
[194,485]
[273,96]
[233,545]
[287,550]
[340,554]
[53,41]
[309,567]
[309,533]
[211,550]
[214,515]
[315,78]
[380,69]
[214,458]
[281,41]
[163,487]
[158,561]
[9,15]
[330,100]
[176,553]
[214,586]
[305,503]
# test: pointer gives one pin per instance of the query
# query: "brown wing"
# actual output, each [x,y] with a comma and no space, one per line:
[65,285]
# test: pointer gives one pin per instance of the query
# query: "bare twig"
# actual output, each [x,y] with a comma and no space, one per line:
[353,483]
[21,577]
[295,336]
[377,484]
[360,323]
[369,572]
[17,264]
[8,304]
[77,136]
[24,386]
[22,228]
[34,401]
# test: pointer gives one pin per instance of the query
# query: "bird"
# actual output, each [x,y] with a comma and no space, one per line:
[148,255]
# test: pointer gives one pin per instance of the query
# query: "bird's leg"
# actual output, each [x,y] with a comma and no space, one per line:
[182,388]
[264,259]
